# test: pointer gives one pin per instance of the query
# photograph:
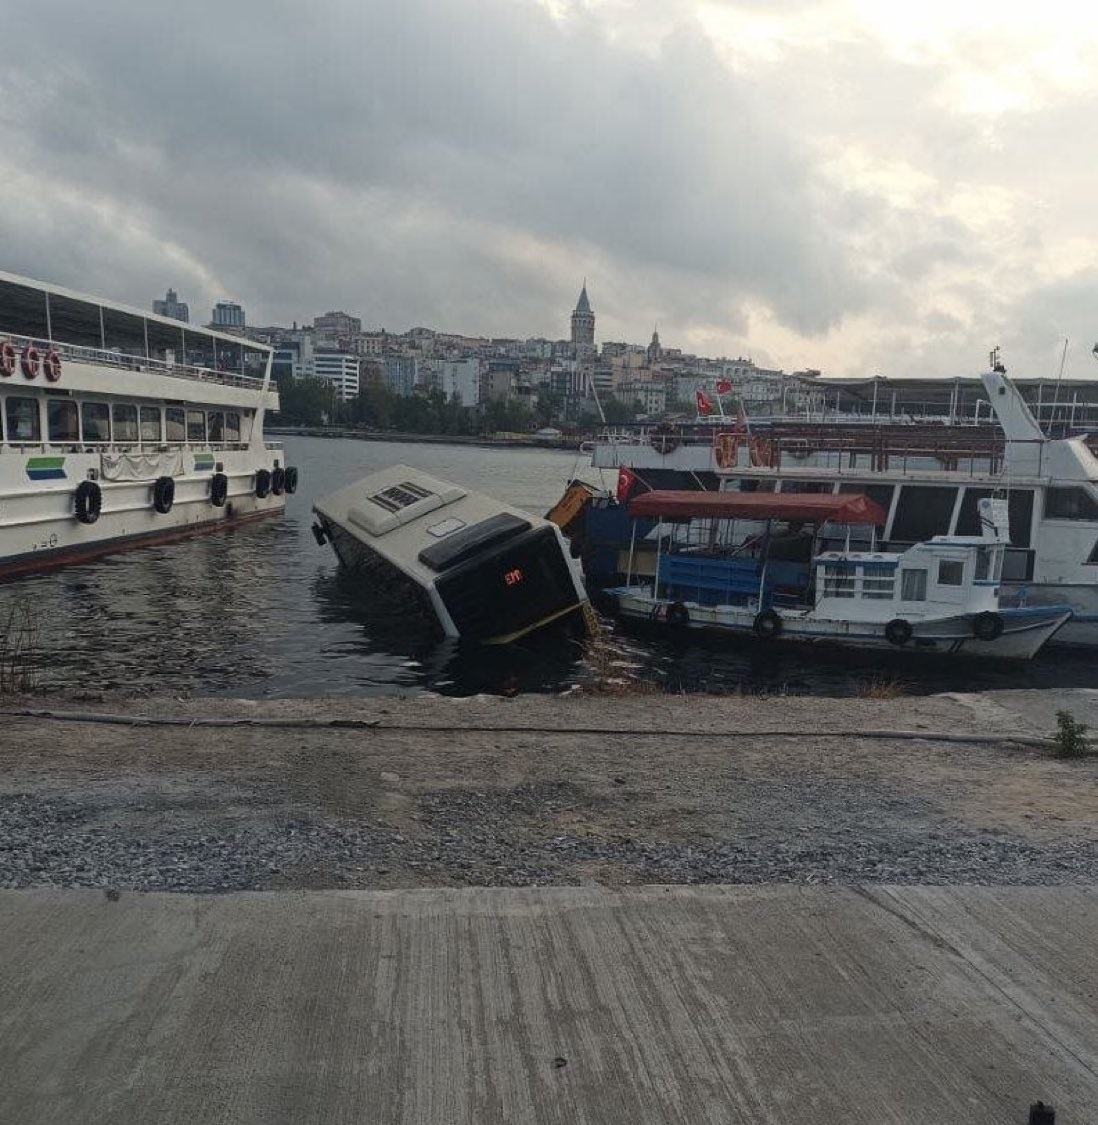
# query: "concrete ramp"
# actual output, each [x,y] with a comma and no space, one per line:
[721,1005]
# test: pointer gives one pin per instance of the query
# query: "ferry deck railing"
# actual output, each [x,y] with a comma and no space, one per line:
[836,452]
[129,362]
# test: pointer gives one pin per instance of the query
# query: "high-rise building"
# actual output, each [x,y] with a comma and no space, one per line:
[172,306]
[583,326]
[339,369]
[227,315]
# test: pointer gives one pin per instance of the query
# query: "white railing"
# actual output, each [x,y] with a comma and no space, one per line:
[109,358]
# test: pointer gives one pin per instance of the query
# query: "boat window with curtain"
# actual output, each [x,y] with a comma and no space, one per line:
[95,418]
[232,427]
[150,424]
[196,427]
[125,422]
[913,584]
[215,422]
[24,422]
[176,422]
[62,423]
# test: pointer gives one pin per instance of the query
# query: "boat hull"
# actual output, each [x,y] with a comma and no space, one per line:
[1025,631]
[39,529]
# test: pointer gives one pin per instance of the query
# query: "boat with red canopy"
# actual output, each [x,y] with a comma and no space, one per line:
[806,568]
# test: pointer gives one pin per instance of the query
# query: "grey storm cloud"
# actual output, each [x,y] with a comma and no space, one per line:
[383,156]
[463,164]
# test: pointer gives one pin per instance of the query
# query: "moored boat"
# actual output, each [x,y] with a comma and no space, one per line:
[122,428]
[938,596]
[928,480]
[482,570]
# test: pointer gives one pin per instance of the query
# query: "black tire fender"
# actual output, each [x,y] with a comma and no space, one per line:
[898,632]
[219,489]
[987,626]
[89,501]
[678,616]
[291,480]
[262,483]
[767,625]
[163,496]
[278,480]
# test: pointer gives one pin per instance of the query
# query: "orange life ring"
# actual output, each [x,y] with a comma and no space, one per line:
[29,362]
[7,358]
[727,450]
[762,453]
[51,366]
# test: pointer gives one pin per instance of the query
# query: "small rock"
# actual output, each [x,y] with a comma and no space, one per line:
[560,1061]
[113,895]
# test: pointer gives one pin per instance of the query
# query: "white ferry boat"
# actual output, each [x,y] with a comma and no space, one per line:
[928,480]
[121,428]
[482,570]
[937,597]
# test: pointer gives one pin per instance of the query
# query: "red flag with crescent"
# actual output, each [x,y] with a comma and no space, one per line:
[626,480]
[705,403]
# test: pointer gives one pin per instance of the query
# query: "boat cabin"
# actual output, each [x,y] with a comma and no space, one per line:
[946,574]
[780,564]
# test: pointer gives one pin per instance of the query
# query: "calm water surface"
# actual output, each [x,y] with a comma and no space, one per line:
[264,611]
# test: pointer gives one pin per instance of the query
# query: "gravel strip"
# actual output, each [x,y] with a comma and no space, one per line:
[496,838]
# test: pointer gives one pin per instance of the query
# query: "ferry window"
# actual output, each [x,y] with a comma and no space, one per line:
[125,422]
[1070,504]
[232,427]
[922,511]
[196,426]
[215,420]
[1019,506]
[96,418]
[150,423]
[807,486]
[880,494]
[176,422]
[62,421]
[1018,565]
[950,573]
[24,424]
[913,585]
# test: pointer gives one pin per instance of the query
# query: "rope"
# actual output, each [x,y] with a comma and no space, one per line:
[448,728]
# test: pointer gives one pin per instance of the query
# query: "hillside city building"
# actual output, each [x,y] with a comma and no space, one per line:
[573,379]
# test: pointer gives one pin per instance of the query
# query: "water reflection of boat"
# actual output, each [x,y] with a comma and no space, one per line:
[482,570]
[938,596]
[120,427]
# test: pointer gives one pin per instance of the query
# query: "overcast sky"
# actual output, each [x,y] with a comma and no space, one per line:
[857,186]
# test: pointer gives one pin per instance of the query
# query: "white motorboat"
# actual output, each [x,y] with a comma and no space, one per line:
[938,596]
[483,570]
[121,428]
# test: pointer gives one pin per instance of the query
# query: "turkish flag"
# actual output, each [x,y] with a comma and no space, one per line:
[724,387]
[705,403]
[626,481]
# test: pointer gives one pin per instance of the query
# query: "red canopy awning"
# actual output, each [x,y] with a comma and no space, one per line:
[819,507]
